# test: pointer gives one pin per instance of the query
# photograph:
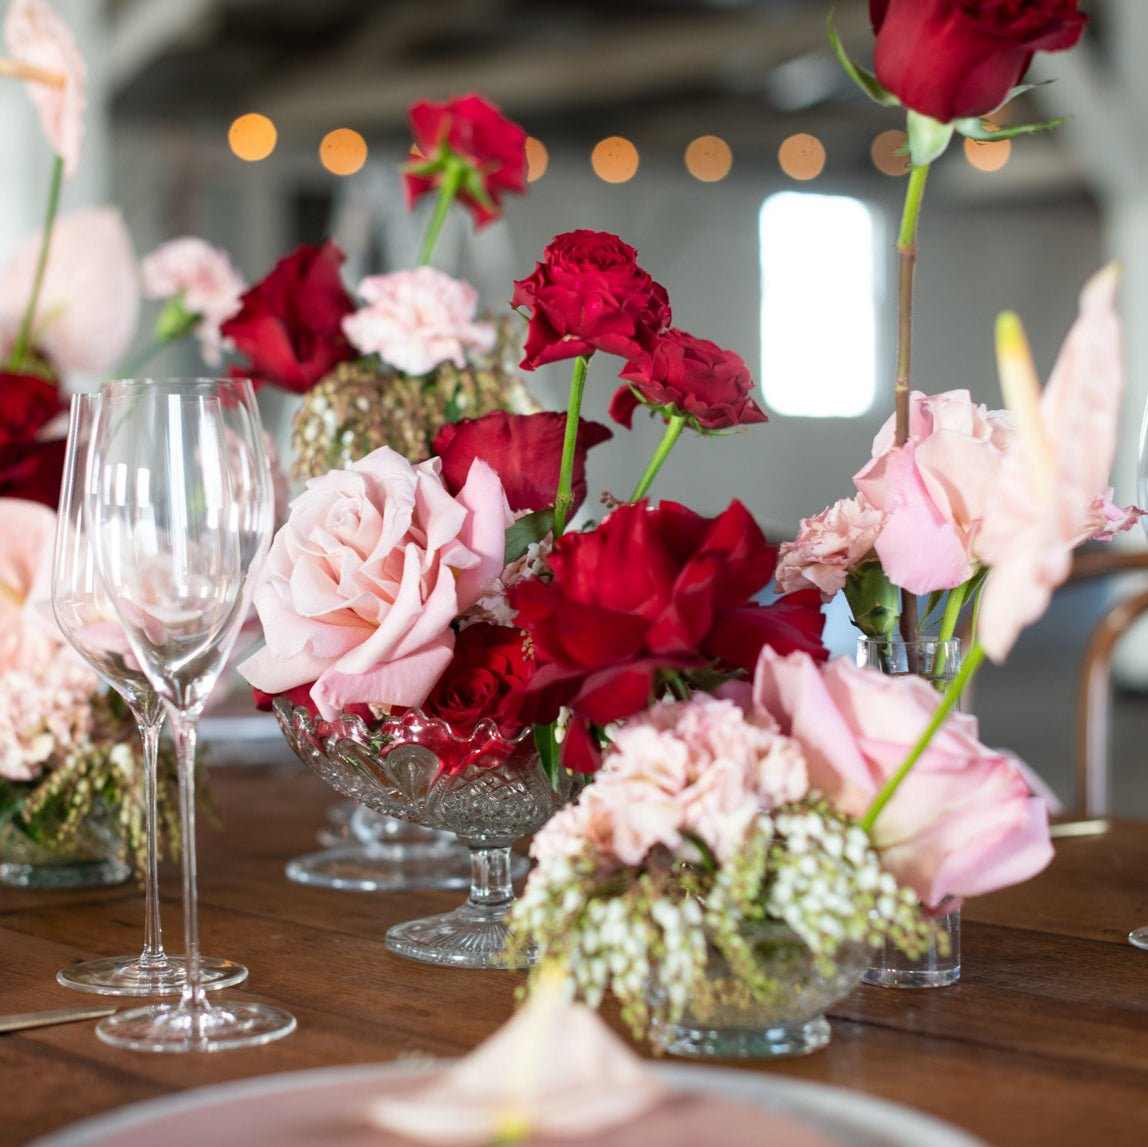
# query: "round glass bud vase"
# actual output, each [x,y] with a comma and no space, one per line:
[938,662]
[725,1020]
[91,857]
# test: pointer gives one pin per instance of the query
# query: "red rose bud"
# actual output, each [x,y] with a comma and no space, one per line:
[653,589]
[589,294]
[472,131]
[290,327]
[30,468]
[952,59]
[690,377]
[524,450]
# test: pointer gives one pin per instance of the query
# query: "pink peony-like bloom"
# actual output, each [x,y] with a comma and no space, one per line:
[361,585]
[829,546]
[1052,493]
[35,35]
[203,278]
[934,490]
[90,302]
[415,320]
[965,821]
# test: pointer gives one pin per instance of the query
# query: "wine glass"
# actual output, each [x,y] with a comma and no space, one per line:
[181,505]
[1138,937]
[87,619]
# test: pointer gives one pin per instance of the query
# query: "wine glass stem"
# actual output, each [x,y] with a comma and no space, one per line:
[490,883]
[153,956]
[183,725]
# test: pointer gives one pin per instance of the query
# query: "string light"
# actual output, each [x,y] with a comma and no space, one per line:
[537,159]
[709,158]
[988,156]
[343,151]
[614,159]
[252,137]
[889,154]
[802,156]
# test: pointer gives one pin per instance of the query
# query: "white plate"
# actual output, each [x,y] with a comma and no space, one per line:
[850,1117]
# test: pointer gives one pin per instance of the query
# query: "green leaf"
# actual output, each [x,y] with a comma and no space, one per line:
[874,600]
[547,745]
[974,128]
[1018,91]
[928,138]
[862,77]
[526,531]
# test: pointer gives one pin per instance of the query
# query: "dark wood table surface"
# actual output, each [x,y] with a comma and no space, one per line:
[1044,1041]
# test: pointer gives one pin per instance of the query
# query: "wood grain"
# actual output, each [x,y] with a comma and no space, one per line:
[1045,1040]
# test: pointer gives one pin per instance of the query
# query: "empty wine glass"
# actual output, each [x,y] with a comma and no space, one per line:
[1138,937]
[182,512]
[87,619]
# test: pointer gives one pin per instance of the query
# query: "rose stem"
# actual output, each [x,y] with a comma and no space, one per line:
[564,499]
[907,252]
[23,341]
[948,703]
[673,432]
[953,606]
[18,70]
[448,189]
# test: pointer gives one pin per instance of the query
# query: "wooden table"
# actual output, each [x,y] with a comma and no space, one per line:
[1045,1040]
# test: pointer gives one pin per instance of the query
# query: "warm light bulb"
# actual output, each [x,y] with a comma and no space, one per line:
[802,156]
[252,137]
[343,151]
[614,159]
[537,159]
[889,153]
[989,156]
[709,158]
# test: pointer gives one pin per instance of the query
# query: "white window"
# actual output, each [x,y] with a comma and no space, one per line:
[819,287]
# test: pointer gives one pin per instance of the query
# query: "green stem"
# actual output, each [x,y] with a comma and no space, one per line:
[952,615]
[451,181]
[23,343]
[564,499]
[948,703]
[673,432]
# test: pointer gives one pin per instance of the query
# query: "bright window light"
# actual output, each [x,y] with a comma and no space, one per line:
[818,305]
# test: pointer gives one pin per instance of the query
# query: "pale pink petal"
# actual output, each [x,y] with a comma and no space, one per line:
[484,532]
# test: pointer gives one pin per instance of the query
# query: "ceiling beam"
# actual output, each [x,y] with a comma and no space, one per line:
[144,29]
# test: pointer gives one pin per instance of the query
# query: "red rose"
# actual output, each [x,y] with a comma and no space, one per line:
[485,678]
[470,129]
[693,377]
[291,324]
[951,59]
[653,589]
[27,404]
[29,468]
[589,294]
[524,450]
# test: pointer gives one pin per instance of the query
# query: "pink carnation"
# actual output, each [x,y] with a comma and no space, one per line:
[1107,519]
[417,319]
[829,546]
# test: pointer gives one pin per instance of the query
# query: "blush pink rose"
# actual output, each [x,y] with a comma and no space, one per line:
[362,583]
[1053,491]
[964,822]
[36,36]
[28,635]
[203,278]
[934,490]
[829,546]
[415,320]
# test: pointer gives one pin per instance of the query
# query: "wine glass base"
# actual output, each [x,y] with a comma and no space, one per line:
[214,1027]
[389,868]
[126,976]
[1139,938]
[469,937]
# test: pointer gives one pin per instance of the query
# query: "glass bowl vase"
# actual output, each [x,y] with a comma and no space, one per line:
[489,790]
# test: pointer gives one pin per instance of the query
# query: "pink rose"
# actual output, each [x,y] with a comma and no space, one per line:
[829,546]
[37,37]
[417,319]
[965,821]
[28,634]
[361,585]
[203,279]
[935,489]
[90,301]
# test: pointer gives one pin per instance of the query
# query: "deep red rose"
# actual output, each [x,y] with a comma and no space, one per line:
[29,468]
[589,294]
[950,59]
[485,678]
[524,450]
[291,325]
[712,387]
[27,404]
[475,131]
[653,589]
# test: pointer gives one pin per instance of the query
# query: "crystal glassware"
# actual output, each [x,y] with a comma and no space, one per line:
[1138,937]
[938,662]
[87,619]
[181,502]
[488,790]
[725,1020]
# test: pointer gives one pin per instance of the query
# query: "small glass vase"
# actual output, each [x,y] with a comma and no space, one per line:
[91,858]
[938,662]
[488,790]
[726,1021]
